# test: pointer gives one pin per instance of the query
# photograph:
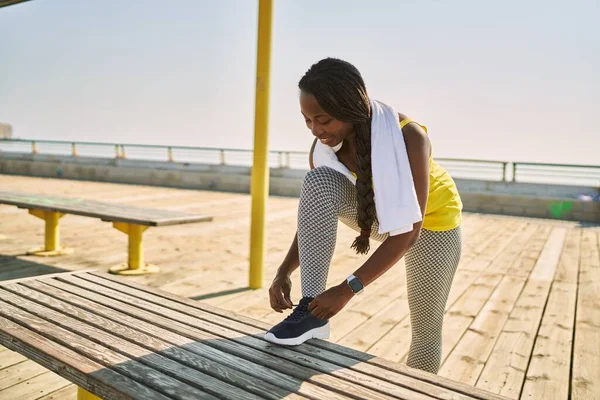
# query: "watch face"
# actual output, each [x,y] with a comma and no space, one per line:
[355,285]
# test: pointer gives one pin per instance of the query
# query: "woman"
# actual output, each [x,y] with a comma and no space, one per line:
[337,110]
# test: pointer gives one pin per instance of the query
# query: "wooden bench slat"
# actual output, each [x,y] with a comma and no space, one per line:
[203,337]
[360,384]
[383,368]
[321,349]
[71,365]
[203,349]
[194,378]
[155,343]
[106,211]
[103,355]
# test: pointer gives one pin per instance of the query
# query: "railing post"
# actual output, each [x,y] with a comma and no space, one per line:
[222,157]
[504,171]
[74,149]
[117,151]
[123,155]
[281,159]
[514,172]
[170,154]
[34,148]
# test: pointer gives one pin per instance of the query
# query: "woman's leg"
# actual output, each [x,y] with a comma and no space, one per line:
[430,266]
[326,196]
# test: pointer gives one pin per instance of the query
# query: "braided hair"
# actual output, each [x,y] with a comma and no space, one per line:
[340,90]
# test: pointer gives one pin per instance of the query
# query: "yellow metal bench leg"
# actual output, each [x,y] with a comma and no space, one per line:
[83,394]
[135,260]
[51,236]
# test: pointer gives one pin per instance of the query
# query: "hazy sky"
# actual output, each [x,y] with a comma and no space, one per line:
[513,80]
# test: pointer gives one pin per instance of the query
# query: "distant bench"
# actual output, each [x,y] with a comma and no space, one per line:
[118,339]
[132,221]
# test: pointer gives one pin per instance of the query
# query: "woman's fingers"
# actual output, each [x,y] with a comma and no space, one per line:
[278,302]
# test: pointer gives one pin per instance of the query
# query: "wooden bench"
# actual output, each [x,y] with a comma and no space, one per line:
[118,339]
[132,221]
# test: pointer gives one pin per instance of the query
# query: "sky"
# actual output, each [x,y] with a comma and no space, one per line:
[505,80]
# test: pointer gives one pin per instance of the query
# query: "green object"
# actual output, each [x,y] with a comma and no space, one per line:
[557,209]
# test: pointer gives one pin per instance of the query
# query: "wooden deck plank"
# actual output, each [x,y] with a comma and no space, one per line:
[36,387]
[528,258]
[468,358]
[465,310]
[504,371]
[586,353]
[66,393]
[514,249]
[19,372]
[549,367]
[568,266]
[11,358]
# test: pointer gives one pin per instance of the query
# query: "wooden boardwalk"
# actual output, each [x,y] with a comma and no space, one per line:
[523,318]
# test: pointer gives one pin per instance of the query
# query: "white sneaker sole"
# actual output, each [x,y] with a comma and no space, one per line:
[322,332]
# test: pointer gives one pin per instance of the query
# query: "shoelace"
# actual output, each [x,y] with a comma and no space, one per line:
[299,312]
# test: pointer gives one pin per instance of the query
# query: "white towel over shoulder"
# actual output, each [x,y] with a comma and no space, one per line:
[395,196]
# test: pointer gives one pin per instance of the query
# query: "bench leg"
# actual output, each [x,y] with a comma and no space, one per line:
[83,394]
[51,236]
[135,260]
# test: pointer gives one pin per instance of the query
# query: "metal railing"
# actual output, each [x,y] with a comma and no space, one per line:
[585,175]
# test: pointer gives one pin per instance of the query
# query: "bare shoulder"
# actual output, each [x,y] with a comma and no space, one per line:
[310,154]
[413,134]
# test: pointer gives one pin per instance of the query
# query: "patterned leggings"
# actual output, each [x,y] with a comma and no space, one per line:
[431,262]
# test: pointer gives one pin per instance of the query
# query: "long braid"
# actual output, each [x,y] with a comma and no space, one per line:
[340,90]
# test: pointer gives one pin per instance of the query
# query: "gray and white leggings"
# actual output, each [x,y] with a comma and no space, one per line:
[431,262]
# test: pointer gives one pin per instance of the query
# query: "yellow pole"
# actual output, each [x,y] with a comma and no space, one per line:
[260,167]
[136,246]
[135,251]
[51,234]
[52,237]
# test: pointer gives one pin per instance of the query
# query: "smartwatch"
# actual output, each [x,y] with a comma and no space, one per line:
[355,284]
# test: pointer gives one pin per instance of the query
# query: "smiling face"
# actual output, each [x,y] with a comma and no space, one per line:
[328,130]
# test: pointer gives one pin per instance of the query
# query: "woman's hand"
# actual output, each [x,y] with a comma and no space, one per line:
[279,292]
[330,302]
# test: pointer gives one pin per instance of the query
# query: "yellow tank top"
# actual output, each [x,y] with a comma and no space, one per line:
[444,206]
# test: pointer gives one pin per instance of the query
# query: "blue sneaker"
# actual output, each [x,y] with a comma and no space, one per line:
[298,327]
